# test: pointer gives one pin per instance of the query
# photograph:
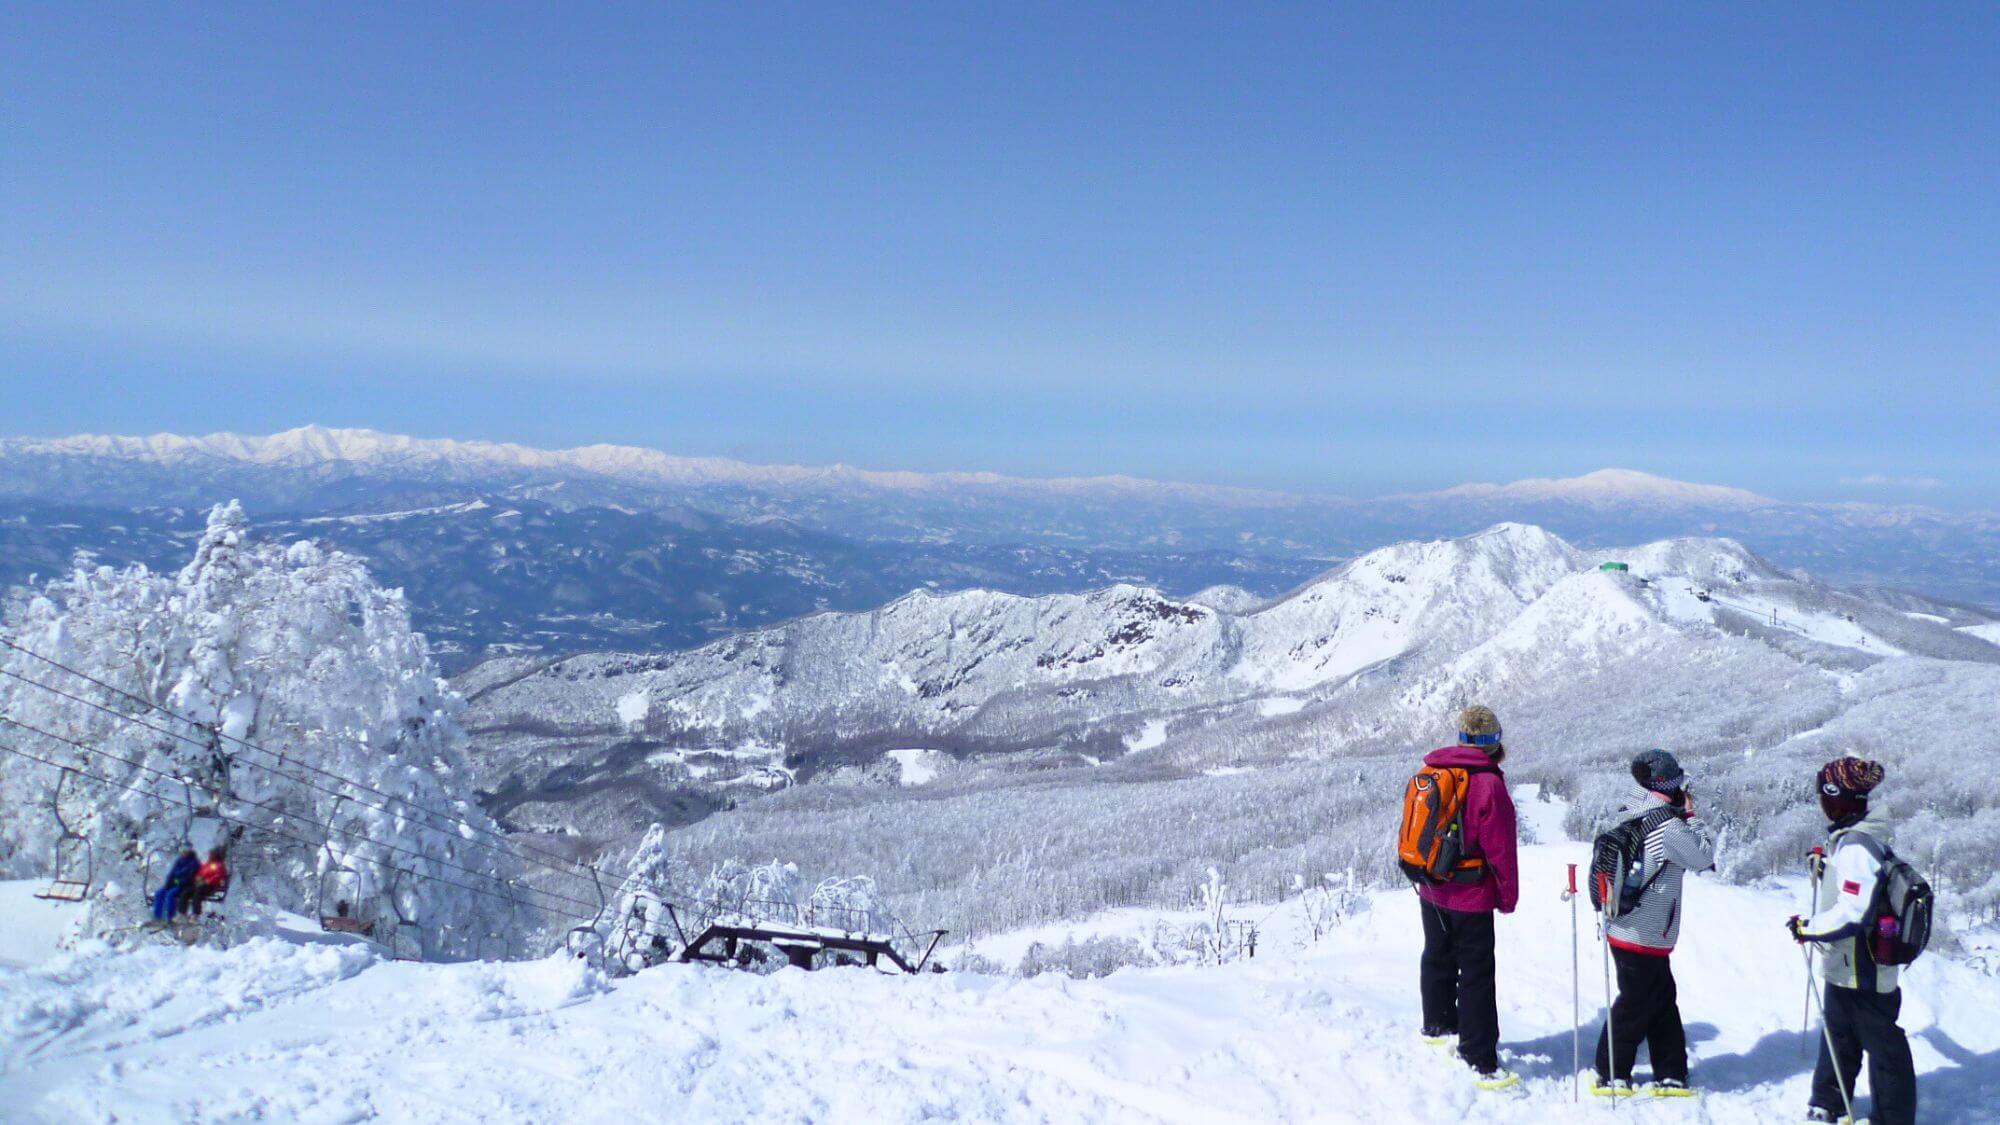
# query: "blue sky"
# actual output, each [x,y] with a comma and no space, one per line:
[1357,249]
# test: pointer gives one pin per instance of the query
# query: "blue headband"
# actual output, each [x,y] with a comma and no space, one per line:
[1465,739]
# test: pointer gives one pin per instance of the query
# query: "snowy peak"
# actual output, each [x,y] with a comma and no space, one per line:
[1518,558]
[1609,487]
[1701,559]
[1400,602]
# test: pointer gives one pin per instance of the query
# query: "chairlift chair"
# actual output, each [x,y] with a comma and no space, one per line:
[73,879]
[343,918]
[641,942]
[586,942]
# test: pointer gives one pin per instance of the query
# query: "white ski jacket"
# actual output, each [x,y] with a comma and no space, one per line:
[1843,913]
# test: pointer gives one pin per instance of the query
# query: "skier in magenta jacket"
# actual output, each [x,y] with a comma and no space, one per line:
[1459,993]
[1489,832]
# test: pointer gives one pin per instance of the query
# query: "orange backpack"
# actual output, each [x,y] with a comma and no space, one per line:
[1431,846]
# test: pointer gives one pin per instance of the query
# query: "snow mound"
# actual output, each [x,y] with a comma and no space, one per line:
[1228,599]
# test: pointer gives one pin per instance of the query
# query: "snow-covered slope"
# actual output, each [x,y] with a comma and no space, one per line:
[289,1028]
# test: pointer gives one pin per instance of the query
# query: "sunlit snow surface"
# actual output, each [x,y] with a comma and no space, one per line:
[291,1028]
[918,766]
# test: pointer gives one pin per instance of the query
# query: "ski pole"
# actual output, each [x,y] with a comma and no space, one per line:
[1610,1028]
[1826,1032]
[1575,996]
[1814,864]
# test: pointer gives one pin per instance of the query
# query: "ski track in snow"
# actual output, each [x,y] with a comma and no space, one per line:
[321,1031]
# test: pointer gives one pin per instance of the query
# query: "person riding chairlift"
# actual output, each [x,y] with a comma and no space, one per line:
[179,878]
[210,881]
[342,922]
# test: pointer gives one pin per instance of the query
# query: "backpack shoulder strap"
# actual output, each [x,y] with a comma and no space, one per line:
[1648,824]
[1659,816]
[1876,849]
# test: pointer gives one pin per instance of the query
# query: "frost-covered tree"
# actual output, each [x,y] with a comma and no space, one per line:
[850,903]
[769,890]
[640,930]
[284,696]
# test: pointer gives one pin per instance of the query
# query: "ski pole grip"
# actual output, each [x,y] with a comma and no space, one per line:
[1572,878]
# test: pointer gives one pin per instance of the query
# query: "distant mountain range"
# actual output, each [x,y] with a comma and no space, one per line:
[505,548]
[299,462]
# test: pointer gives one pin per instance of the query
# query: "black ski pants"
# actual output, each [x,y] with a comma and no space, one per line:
[1865,1023]
[1647,1011]
[1458,986]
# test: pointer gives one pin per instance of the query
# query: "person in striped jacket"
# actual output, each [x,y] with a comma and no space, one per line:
[1647,1009]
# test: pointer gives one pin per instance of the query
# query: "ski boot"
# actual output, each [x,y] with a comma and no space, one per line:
[1611,1088]
[1499,1078]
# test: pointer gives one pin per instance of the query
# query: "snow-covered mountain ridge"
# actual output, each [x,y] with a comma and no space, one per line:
[1380,646]
[312,445]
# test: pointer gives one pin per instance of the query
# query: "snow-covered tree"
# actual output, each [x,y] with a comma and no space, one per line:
[769,890]
[850,903]
[284,696]
[640,930]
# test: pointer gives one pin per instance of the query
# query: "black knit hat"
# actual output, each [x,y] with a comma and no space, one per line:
[1658,771]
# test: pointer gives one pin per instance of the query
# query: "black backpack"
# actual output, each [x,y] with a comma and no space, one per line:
[1899,920]
[1618,863]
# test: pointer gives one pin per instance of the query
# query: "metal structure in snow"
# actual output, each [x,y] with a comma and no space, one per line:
[744,930]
